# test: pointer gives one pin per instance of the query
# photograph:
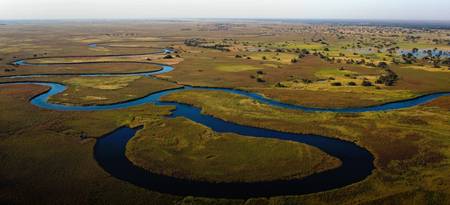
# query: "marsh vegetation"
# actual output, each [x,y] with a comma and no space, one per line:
[314,65]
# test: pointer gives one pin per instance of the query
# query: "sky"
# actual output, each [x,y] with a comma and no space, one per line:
[297,9]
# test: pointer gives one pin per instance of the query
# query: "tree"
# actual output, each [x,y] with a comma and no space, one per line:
[366,83]
[280,85]
[83,135]
[294,60]
[382,64]
[168,57]
[336,84]
[388,78]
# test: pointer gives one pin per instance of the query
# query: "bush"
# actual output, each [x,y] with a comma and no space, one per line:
[388,78]
[280,85]
[336,84]
[382,65]
[168,57]
[366,83]
[260,80]
[351,83]
[294,60]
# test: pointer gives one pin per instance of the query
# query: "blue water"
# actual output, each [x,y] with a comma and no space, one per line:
[42,100]
[164,68]
[357,162]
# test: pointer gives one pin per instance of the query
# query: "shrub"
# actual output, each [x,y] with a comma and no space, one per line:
[351,83]
[388,78]
[280,85]
[336,84]
[366,83]
[382,65]
[168,57]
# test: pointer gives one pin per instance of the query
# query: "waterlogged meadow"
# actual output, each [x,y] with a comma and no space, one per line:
[48,155]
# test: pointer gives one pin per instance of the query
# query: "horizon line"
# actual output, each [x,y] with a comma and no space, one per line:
[225,18]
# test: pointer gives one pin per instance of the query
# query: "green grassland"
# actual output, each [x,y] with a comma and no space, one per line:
[411,145]
[103,90]
[236,68]
[108,90]
[197,70]
[50,143]
[284,58]
[82,68]
[152,58]
[195,152]
[56,165]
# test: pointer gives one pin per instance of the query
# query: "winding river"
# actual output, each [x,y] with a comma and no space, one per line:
[109,151]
